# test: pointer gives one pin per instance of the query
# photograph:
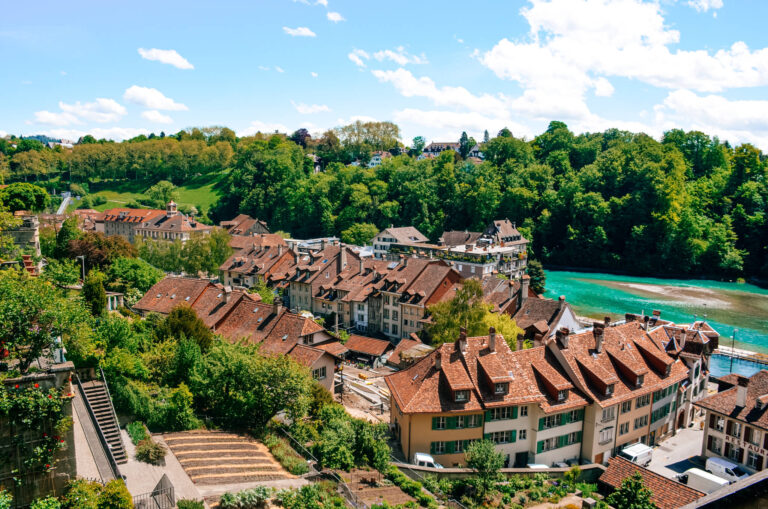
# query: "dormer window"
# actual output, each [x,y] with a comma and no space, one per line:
[500,388]
[640,380]
[561,395]
[609,389]
[461,396]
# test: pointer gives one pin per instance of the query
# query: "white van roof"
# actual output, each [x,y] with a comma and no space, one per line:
[636,449]
[706,475]
[422,456]
[723,462]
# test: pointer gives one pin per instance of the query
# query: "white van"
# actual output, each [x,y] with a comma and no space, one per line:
[728,470]
[425,460]
[637,453]
[702,481]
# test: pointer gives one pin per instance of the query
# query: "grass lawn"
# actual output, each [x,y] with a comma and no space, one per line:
[201,191]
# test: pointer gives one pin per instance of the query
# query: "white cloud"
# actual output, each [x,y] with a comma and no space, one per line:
[3,134]
[603,87]
[308,109]
[166,56]
[324,3]
[410,86]
[357,56]
[101,110]
[279,69]
[257,126]
[109,133]
[705,5]
[313,74]
[156,116]
[263,68]
[712,113]
[299,32]
[152,98]
[400,56]
[335,17]
[449,123]
[355,118]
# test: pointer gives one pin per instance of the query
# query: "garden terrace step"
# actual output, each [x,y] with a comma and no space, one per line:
[101,405]
[231,460]
[214,478]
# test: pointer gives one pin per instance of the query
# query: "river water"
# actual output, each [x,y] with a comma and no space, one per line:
[726,306]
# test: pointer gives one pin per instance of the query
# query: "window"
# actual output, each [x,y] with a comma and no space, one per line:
[752,436]
[643,401]
[640,380]
[605,435]
[716,423]
[754,460]
[548,444]
[641,422]
[735,429]
[386,314]
[459,396]
[460,422]
[609,389]
[734,454]
[501,437]
[523,434]
[438,447]
[386,300]
[626,407]
[458,446]
[500,388]
[394,329]
[438,423]
[624,428]
[473,421]
[394,315]
[575,415]
[319,374]
[499,414]
[386,327]
[715,444]
[523,411]
[609,413]
[561,395]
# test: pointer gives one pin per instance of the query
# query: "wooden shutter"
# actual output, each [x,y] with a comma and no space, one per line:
[741,455]
[565,418]
[747,434]
[431,448]
[709,443]
[488,416]
[581,415]
[450,447]
[727,450]
[434,422]
[712,421]
[728,427]
[540,446]
[514,412]
[541,424]
[765,441]
[513,436]
[450,423]
[759,465]
[562,440]
[487,436]
[578,436]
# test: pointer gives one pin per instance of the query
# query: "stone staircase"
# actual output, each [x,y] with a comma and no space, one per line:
[98,398]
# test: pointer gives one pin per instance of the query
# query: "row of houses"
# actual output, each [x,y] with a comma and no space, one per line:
[573,397]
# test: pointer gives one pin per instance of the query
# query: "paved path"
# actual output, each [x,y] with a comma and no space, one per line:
[678,453]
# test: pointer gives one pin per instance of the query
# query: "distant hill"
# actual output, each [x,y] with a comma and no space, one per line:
[41,138]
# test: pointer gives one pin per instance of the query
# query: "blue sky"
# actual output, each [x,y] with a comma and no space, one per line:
[435,68]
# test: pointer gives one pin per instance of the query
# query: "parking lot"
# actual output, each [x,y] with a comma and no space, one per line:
[678,453]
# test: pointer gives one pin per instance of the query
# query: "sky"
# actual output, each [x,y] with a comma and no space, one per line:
[119,69]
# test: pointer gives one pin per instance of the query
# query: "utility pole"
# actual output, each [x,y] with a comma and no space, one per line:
[733,343]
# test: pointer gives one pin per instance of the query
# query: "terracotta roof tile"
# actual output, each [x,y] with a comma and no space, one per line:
[366,345]
[665,493]
[171,292]
[724,402]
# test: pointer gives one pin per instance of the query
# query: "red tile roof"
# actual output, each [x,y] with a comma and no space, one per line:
[306,355]
[171,292]
[725,402]
[368,346]
[334,348]
[124,215]
[401,347]
[665,493]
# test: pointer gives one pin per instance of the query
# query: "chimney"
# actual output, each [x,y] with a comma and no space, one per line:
[279,250]
[741,391]
[520,342]
[295,257]
[438,361]
[492,339]
[562,336]
[342,257]
[277,305]
[362,268]
[645,322]
[405,261]
[607,321]
[537,340]
[525,283]
[598,330]
[227,294]
[461,341]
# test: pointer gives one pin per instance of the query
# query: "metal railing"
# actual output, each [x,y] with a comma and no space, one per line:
[99,431]
[111,406]
[158,499]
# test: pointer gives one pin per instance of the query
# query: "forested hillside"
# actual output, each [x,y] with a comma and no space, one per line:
[616,200]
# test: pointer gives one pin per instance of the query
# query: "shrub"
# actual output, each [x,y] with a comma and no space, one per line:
[137,431]
[150,452]
[5,500]
[410,487]
[189,504]
[114,496]
[285,454]
[253,498]
[81,494]
[45,503]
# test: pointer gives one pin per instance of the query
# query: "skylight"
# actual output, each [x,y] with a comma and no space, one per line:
[186,298]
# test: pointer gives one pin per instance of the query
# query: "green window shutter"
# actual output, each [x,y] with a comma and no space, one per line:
[541,424]
[514,412]
[513,436]
[578,436]
[451,423]
[565,418]
[450,447]
[487,436]
[434,422]
[561,440]
[431,448]
[488,416]
[540,446]
[581,414]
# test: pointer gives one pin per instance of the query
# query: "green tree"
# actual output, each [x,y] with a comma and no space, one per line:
[100,250]
[265,292]
[359,234]
[417,147]
[126,273]
[162,193]
[62,273]
[239,388]
[482,457]
[183,322]
[94,293]
[632,494]
[24,196]
[68,232]
[537,275]
[115,495]
[465,145]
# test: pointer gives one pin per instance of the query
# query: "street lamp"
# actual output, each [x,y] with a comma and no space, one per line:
[82,258]
[733,342]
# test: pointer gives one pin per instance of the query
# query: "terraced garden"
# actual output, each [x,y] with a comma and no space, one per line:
[215,457]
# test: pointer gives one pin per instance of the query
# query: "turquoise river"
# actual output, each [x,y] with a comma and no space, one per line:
[727,306]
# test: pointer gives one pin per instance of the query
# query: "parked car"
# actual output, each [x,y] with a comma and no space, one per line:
[425,460]
[728,470]
[702,481]
[537,466]
[637,453]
